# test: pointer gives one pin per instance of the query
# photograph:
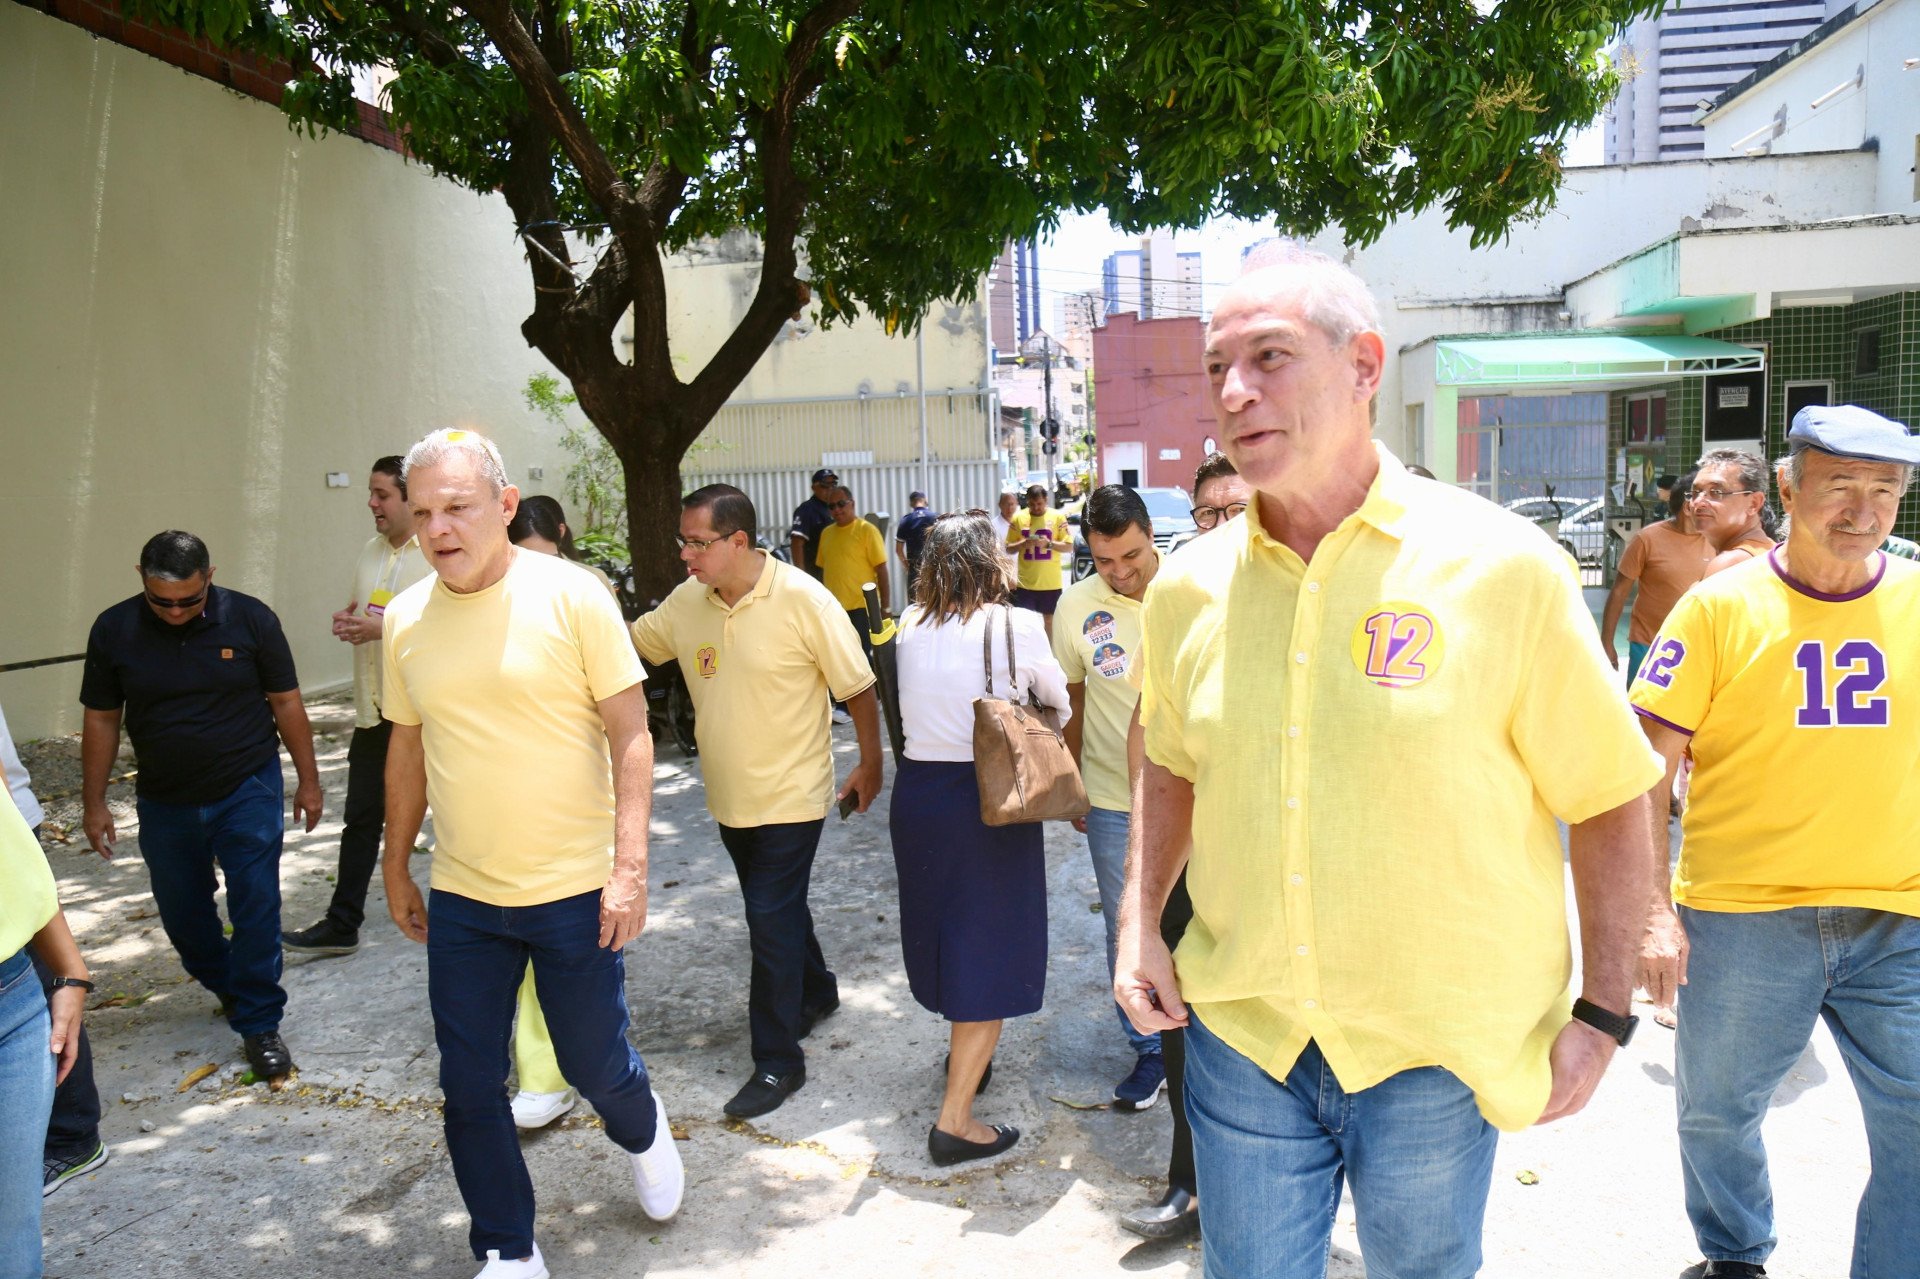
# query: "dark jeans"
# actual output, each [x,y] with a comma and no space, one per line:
[1173,1048]
[858,616]
[74,1129]
[242,833]
[476,957]
[366,820]
[775,864]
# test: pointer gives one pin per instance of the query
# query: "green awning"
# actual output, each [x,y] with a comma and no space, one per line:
[1562,359]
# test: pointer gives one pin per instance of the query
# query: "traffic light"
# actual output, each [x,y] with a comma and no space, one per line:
[1051,428]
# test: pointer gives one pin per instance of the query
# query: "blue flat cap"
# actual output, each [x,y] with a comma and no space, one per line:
[1847,430]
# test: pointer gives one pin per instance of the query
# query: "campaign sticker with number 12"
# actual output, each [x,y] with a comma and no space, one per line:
[1397,645]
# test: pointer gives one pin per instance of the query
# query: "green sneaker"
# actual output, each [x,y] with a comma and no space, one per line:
[56,1173]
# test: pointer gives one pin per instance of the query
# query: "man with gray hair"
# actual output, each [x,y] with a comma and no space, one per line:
[205,681]
[1344,1019]
[518,713]
[1791,680]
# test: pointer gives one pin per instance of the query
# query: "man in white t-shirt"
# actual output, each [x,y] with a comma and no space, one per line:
[389,563]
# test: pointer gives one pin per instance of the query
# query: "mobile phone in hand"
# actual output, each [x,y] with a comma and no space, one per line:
[847,804]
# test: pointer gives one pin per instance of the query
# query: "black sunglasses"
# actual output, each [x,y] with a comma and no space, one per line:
[192,601]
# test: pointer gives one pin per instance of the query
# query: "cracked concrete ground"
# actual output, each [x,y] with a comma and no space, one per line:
[343,1173]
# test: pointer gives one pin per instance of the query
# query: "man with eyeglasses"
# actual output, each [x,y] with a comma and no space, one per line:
[762,647]
[852,553]
[205,682]
[809,519]
[1662,561]
[1219,495]
[1729,505]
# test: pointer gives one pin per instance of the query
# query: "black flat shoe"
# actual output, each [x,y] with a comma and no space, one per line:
[813,1014]
[267,1054]
[946,1149]
[1734,1270]
[764,1093]
[328,937]
[1173,1215]
[986,1076]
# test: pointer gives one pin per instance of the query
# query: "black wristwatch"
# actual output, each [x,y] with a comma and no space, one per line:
[1613,1025]
[81,982]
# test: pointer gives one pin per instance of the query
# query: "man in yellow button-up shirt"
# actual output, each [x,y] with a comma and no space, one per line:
[1371,987]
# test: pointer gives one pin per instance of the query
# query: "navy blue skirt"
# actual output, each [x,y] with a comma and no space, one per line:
[973,898]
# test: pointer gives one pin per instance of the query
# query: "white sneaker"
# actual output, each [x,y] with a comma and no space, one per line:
[842,716]
[533,1267]
[657,1172]
[538,1109]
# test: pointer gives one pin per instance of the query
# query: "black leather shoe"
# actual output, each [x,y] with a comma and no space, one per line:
[812,1014]
[1734,1270]
[1173,1216]
[328,937]
[226,1006]
[986,1076]
[765,1092]
[267,1054]
[946,1149]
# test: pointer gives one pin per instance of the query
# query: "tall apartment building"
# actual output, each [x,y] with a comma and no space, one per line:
[1154,281]
[1120,282]
[1677,63]
[1013,295]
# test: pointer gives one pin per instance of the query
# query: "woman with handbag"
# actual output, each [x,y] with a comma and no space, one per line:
[973,895]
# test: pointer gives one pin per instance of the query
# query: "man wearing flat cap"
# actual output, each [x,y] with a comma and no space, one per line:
[1795,680]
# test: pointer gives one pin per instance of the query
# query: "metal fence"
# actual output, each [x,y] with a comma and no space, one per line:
[950,486]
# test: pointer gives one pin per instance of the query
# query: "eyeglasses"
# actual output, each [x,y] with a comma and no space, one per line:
[834,506]
[700,543]
[1208,516]
[1716,496]
[167,605]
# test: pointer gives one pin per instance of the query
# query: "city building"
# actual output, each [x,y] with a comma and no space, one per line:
[1679,61]
[1013,295]
[1155,419]
[1120,282]
[1042,377]
[1079,315]
[1153,281]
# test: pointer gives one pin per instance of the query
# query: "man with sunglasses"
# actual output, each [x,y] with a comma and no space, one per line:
[205,682]
[809,519]
[852,553]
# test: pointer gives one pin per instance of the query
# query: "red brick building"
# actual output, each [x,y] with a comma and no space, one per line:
[1150,409]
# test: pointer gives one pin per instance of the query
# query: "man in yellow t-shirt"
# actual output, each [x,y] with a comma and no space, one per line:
[1792,678]
[1344,1020]
[518,712]
[1095,644]
[852,553]
[389,563]
[1044,544]
[762,647]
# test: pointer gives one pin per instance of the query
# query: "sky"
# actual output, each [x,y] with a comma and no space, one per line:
[1070,259]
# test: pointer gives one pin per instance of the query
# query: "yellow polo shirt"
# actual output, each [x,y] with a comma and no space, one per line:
[1096,634]
[760,673]
[382,572]
[1379,742]
[27,899]
[1040,563]
[848,558]
[1803,712]
[505,684]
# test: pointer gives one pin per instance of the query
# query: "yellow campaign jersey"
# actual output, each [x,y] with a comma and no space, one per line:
[1379,740]
[850,557]
[1041,562]
[1096,632]
[760,672]
[382,572]
[1803,713]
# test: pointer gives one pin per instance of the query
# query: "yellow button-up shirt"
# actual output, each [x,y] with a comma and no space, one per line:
[1379,741]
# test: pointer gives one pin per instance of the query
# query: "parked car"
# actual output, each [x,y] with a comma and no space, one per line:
[1582,523]
[1171,511]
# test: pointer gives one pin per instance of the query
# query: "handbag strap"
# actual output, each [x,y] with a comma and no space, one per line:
[986,652]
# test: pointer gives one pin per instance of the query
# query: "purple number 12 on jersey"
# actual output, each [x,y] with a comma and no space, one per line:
[1864,669]
[1666,655]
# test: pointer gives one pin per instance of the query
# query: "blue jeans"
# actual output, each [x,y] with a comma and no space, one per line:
[1636,654]
[1755,984]
[1271,1158]
[789,972]
[242,833]
[26,1099]
[1107,843]
[476,957]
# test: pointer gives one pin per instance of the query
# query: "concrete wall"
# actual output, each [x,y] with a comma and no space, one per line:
[1884,107]
[207,313]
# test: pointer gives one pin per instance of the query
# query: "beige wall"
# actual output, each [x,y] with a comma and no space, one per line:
[204,314]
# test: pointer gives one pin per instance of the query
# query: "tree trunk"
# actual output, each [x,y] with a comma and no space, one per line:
[652,469]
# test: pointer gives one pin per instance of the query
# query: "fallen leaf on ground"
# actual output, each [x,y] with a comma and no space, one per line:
[122,1001]
[195,1075]
[142,914]
[679,1132]
[1080,1105]
[1527,1177]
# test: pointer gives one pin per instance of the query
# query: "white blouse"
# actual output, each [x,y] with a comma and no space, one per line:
[941,673]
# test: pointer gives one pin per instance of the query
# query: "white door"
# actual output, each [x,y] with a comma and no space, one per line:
[1120,458]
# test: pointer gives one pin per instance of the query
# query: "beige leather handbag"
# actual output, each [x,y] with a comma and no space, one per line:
[1025,771]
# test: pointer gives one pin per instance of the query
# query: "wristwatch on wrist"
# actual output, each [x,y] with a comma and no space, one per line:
[1612,1025]
[81,982]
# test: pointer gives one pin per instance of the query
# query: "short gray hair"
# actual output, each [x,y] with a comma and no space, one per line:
[456,441]
[1336,301]
[1750,467]
[1794,468]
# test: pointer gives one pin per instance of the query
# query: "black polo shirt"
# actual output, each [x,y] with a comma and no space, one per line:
[809,519]
[195,695]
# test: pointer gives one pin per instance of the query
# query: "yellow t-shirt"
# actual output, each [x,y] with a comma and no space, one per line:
[848,558]
[1096,634]
[27,899]
[505,685]
[760,673]
[1379,742]
[381,573]
[1041,562]
[1803,714]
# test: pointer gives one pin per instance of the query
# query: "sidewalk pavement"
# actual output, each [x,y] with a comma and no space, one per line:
[342,1174]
